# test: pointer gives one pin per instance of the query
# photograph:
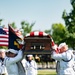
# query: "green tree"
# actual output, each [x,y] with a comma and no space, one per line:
[13,25]
[1,21]
[69,19]
[59,32]
[48,31]
[26,27]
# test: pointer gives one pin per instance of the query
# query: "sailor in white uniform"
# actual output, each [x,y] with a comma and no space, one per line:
[11,59]
[3,70]
[66,60]
[31,66]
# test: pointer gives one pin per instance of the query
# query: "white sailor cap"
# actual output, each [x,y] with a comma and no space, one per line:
[2,50]
[29,55]
[61,45]
[12,51]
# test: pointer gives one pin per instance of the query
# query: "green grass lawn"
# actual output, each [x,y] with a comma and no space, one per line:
[46,72]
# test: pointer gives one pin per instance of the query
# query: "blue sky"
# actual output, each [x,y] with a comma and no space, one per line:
[43,12]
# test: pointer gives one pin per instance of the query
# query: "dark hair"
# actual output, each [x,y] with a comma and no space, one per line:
[26,58]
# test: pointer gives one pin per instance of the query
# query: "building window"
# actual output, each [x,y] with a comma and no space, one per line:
[37,46]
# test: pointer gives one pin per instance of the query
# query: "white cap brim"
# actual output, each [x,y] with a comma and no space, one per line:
[2,50]
[29,55]
[12,51]
[61,45]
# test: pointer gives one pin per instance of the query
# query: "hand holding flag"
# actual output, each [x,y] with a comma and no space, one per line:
[54,46]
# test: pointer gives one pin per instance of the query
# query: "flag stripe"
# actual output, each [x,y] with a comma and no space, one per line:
[36,33]
[3,39]
[3,43]
[3,36]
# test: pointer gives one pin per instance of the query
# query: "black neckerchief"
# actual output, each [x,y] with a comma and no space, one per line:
[67,60]
[2,59]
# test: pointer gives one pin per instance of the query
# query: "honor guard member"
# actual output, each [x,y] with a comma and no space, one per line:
[31,66]
[3,70]
[65,58]
[23,62]
[11,59]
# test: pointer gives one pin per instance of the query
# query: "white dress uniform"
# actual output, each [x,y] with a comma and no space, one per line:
[23,62]
[31,68]
[66,62]
[3,69]
[11,65]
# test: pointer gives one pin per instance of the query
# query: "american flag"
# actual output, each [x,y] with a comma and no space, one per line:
[4,35]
